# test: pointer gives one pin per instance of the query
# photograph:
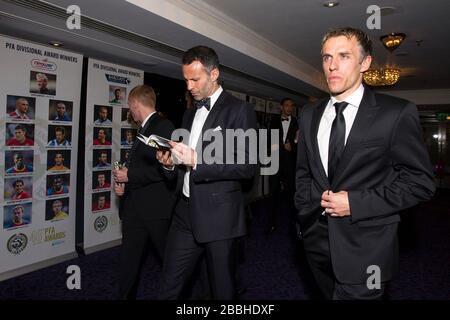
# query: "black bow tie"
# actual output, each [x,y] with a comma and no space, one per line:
[203,103]
[284,119]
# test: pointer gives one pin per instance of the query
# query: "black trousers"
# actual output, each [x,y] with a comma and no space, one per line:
[182,254]
[138,236]
[317,249]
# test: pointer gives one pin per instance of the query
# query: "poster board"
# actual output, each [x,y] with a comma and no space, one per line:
[109,137]
[39,121]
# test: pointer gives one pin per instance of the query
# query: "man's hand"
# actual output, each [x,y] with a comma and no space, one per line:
[165,158]
[336,204]
[288,146]
[120,175]
[119,188]
[185,154]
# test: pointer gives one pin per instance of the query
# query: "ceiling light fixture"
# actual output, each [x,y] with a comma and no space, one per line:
[330,4]
[56,43]
[387,76]
[381,77]
[392,41]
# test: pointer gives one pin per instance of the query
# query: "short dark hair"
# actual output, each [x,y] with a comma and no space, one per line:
[20,127]
[284,100]
[18,155]
[349,32]
[60,129]
[207,57]
[57,179]
[17,181]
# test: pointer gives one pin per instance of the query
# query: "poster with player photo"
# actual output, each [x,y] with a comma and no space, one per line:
[58,184]
[18,188]
[101,158]
[101,201]
[127,119]
[59,110]
[101,180]
[20,108]
[17,215]
[102,136]
[59,136]
[58,160]
[42,83]
[117,95]
[127,137]
[103,115]
[57,209]
[18,161]
[19,134]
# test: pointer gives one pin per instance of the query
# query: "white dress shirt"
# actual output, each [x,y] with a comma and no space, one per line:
[196,131]
[285,125]
[323,134]
[146,119]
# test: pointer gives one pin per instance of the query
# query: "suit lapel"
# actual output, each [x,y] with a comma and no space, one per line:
[137,142]
[316,117]
[291,130]
[364,118]
[189,118]
[214,113]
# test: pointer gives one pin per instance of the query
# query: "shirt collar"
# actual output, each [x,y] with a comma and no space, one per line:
[146,119]
[354,99]
[215,96]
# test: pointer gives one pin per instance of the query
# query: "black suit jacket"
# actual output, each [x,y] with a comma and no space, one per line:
[148,192]
[216,204]
[384,168]
[286,172]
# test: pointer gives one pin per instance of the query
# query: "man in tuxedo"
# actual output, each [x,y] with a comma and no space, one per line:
[209,216]
[360,160]
[146,196]
[283,182]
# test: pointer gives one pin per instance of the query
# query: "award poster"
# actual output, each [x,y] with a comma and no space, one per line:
[39,111]
[109,137]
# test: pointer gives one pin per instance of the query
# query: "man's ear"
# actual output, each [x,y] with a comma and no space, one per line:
[365,64]
[215,74]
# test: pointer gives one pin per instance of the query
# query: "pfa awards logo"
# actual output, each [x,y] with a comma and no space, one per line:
[100,223]
[17,243]
[43,65]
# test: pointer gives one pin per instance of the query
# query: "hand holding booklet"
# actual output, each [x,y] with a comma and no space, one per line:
[155,141]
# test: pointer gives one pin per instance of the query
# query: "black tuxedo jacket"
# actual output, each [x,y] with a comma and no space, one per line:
[384,168]
[148,192]
[216,204]
[286,171]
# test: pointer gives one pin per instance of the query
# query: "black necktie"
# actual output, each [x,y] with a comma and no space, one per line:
[203,103]
[337,140]
[284,119]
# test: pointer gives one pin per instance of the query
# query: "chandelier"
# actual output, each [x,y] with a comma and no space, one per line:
[387,76]
[381,77]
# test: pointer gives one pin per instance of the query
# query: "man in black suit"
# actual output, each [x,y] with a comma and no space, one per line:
[210,216]
[147,198]
[283,182]
[360,160]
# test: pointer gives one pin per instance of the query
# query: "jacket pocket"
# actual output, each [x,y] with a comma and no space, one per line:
[379,221]
[373,143]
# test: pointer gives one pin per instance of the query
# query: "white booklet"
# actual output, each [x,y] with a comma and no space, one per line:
[155,141]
